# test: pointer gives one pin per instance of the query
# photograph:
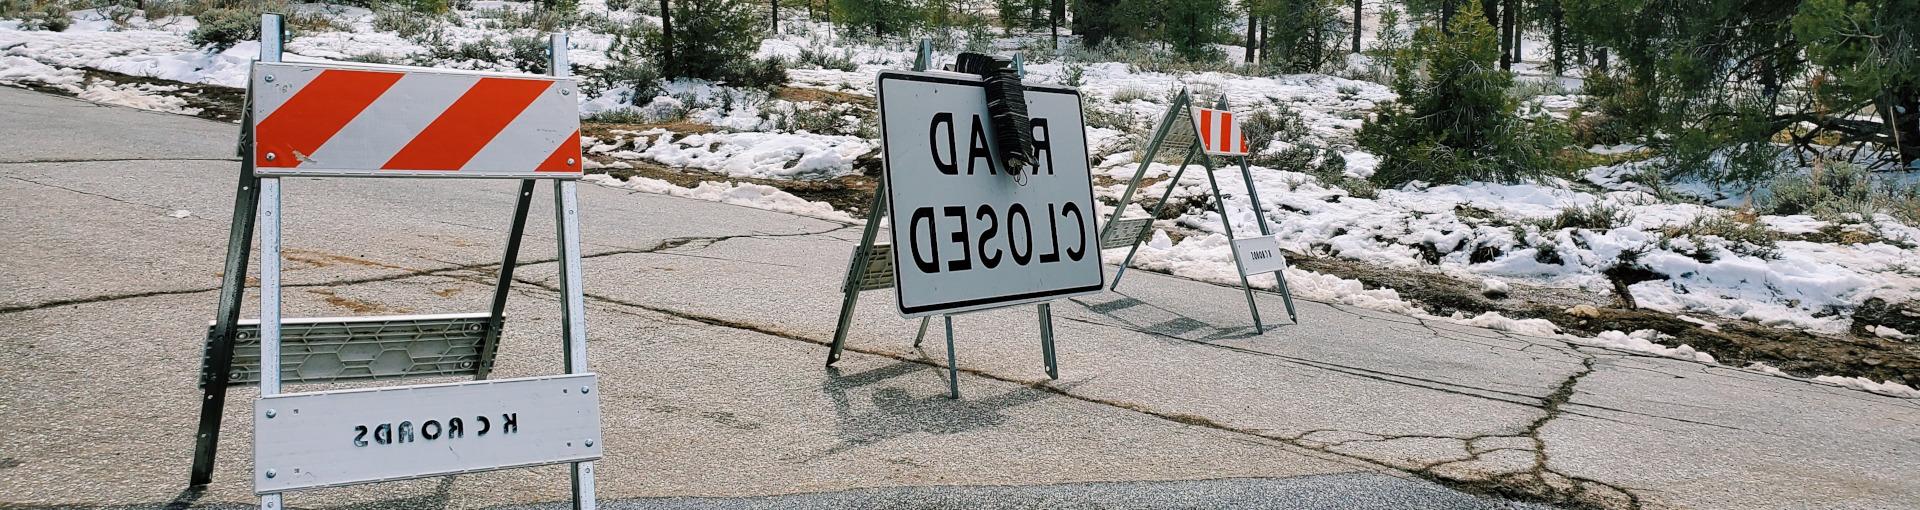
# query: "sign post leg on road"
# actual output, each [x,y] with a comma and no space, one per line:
[1260,217]
[573,300]
[1226,224]
[270,304]
[1286,295]
[214,377]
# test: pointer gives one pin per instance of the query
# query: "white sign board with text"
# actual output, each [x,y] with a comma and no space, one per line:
[1259,255]
[324,439]
[966,234]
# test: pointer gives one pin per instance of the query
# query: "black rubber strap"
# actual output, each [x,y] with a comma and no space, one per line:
[1007,106]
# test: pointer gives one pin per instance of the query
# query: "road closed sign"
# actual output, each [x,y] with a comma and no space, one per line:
[967,234]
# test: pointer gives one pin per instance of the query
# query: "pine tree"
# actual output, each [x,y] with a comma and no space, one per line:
[1870,47]
[1721,80]
[880,18]
[666,31]
[1192,26]
[1302,34]
[716,40]
[1453,120]
[1356,25]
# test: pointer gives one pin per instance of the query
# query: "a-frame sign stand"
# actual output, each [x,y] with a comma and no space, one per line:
[541,412]
[872,269]
[1177,133]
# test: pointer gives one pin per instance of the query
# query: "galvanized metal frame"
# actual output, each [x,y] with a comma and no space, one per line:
[255,195]
[1171,124]
[858,278]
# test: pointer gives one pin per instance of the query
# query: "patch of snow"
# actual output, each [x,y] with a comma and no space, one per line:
[1493,286]
[1495,321]
[1888,388]
[1886,332]
[16,69]
[759,155]
[1641,341]
[756,196]
[1361,164]
[1698,322]
[138,95]
[1766,369]
[1208,258]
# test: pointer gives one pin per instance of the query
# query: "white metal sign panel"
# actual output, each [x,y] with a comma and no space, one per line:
[367,120]
[1259,254]
[305,440]
[966,234]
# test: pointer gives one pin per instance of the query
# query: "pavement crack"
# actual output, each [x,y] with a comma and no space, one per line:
[105,196]
[1364,373]
[407,273]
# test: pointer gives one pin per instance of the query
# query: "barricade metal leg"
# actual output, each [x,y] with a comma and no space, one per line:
[1227,224]
[573,315]
[270,302]
[953,362]
[1286,295]
[497,319]
[1146,159]
[917,337]
[233,286]
[1046,341]
[1135,247]
[233,283]
[851,287]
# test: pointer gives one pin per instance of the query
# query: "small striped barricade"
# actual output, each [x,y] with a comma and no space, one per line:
[1189,134]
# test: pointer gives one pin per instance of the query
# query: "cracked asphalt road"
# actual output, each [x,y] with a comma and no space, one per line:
[708,323]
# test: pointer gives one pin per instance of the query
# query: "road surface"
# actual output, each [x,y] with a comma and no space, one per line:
[708,326]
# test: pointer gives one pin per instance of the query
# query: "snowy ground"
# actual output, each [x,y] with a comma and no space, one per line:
[1495,233]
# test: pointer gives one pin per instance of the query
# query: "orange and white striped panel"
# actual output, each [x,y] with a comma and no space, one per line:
[355,120]
[1218,132]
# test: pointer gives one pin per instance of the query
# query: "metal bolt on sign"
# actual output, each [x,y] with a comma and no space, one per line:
[503,126]
[1194,133]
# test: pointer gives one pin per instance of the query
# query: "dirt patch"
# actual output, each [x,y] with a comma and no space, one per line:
[356,305]
[1443,295]
[215,103]
[802,94]
[1739,343]
[852,193]
[604,130]
[1731,342]
[319,259]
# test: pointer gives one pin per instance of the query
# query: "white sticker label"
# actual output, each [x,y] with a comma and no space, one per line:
[1259,254]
